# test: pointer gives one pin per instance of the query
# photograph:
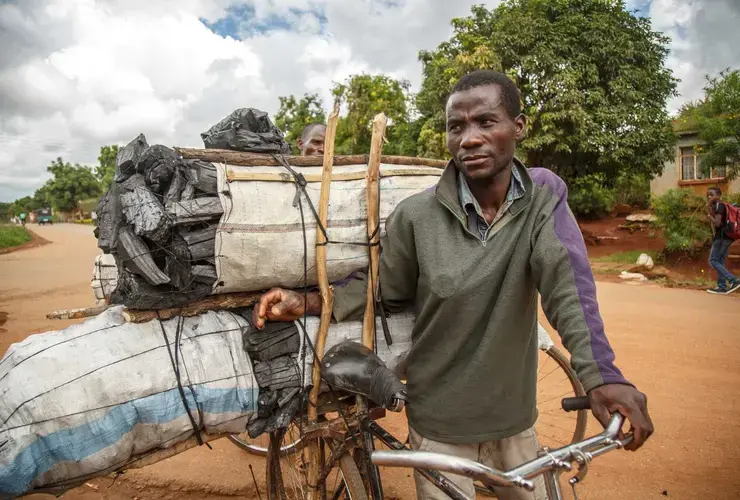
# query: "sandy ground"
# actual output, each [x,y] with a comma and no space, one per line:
[680,347]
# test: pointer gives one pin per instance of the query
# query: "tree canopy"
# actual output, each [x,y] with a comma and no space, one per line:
[717,118]
[106,168]
[364,96]
[592,77]
[70,185]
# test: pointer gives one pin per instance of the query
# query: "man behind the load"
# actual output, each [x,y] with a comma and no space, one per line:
[470,257]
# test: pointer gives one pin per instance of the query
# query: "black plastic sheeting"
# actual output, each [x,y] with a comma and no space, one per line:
[246,129]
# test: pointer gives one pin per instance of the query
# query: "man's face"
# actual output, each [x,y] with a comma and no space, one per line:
[480,133]
[314,142]
[712,196]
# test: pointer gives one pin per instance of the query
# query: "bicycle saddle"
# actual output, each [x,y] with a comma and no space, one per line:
[352,367]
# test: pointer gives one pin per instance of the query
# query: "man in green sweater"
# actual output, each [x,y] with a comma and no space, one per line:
[470,257]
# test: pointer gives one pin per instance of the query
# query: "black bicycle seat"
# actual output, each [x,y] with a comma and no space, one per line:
[352,367]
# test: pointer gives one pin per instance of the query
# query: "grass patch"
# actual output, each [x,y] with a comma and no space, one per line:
[13,236]
[628,257]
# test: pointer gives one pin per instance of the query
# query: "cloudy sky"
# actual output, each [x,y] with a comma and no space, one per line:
[78,74]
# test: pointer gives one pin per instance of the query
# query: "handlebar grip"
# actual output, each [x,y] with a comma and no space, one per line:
[576,404]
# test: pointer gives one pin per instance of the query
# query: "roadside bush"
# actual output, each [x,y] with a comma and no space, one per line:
[683,217]
[589,197]
[633,190]
[732,198]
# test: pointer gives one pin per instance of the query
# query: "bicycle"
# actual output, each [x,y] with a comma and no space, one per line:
[345,435]
[556,379]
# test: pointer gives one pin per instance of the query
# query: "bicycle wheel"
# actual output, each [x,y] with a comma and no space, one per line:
[291,443]
[555,380]
[286,475]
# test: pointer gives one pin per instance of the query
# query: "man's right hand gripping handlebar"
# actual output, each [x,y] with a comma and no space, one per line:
[285,305]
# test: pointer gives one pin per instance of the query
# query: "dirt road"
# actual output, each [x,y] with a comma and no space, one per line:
[680,347]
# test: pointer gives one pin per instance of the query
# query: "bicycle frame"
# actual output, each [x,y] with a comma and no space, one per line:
[550,463]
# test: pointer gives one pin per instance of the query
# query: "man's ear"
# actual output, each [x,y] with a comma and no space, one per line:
[521,126]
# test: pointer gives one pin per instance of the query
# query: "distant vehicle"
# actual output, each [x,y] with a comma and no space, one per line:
[44,216]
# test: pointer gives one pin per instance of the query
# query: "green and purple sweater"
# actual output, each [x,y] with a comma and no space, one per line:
[472,369]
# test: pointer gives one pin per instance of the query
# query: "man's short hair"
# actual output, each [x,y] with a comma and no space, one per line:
[483,77]
[310,128]
[716,190]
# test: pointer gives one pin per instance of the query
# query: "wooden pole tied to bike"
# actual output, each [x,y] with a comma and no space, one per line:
[327,300]
[373,230]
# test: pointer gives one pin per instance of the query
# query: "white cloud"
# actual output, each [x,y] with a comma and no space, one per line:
[704,40]
[78,74]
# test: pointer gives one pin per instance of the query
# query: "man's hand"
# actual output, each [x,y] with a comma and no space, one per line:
[628,401]
[284,305]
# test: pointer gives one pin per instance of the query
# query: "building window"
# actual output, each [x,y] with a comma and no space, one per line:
[691,167]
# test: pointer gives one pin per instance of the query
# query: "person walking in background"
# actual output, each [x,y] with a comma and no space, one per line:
[726,281]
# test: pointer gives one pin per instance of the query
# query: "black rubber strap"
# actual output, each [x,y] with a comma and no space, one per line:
[196,429]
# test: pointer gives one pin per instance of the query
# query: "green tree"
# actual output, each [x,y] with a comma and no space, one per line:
[717,118]
[22,205]
[365,96]
[106,168]
[294,114]
[70,184]
[6,211]
[592,77]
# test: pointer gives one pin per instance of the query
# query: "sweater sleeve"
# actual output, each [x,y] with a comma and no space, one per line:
[564,278]
[398,272]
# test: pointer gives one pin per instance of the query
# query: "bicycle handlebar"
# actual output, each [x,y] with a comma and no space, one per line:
[576,404]
[520,476]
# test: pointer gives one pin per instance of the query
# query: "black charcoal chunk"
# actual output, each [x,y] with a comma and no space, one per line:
[133,182]
[174,192]
[158,164]
[257,427]
[204,274]
[128,158]
[137,258]
[188,193]
[201,242]
[278,373]
[110,218]
[196,210]
[284,415]
[275,340]
[177,263]
[203,177]
[246,129]
[266,403]
[146,215]
[135,293]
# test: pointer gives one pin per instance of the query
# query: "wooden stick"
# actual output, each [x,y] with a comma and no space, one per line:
[232,175]
[373,232]
[166,453]
[327,300]
[262,160]
[210,303]
[86,312]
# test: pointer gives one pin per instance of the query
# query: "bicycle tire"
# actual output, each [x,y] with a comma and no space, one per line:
[352,478]
[261,451]
[354,487]
[582,415]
